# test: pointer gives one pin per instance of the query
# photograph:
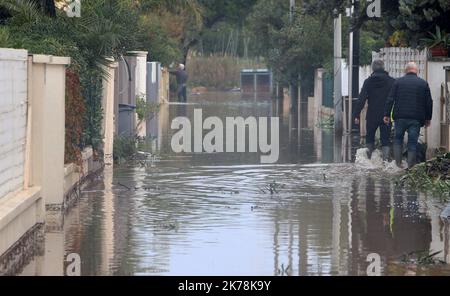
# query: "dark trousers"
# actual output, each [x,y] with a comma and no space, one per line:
[385,133]
[182,93]
[411,126]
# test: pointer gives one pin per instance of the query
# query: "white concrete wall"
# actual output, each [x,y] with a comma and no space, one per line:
[21,204]
[435,75]
[13,112]
[364,73]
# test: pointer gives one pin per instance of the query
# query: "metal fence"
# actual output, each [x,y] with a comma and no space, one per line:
[396,58]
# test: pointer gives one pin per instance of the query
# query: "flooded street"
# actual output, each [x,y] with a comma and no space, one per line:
[226,214]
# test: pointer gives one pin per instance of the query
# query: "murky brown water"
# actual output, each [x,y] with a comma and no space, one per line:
[215,215]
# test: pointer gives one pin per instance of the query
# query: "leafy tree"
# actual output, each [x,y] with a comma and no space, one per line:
[231,11]
[416,18]
[212,12]
[291,48]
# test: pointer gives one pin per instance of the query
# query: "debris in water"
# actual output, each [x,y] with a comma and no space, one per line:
[120,184]
[255,208]
[168,226]
[272,188]
[433,176]
[421,258]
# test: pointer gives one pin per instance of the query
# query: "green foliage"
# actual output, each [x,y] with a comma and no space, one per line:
[5,39]
[74,106]
[125,147]
[441,38]
[416,18]
[193,7]
[75,110]
[91,89]
[146,110]
[107,28]
[369,41]
[231,11]
[155,37]
[291,48]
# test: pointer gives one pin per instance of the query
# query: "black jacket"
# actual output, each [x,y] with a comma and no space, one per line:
[375,90]
[181,75]
[411,98]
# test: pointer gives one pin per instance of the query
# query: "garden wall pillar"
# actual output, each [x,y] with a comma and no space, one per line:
[138,63]
[435,76]
[108,102]
[47,96]
[318,95]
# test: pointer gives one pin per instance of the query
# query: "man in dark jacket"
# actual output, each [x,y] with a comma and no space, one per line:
[411,106]
[376,90]
[182,79]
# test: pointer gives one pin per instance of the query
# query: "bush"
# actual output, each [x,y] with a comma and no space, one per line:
[75,111]
[146,110]
[108,28]
[125,147]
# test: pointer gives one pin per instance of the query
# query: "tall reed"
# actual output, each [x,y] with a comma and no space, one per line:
[218,72]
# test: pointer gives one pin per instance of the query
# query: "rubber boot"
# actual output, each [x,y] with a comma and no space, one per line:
[371,148]
[398,155]
[386,153]
[412,159]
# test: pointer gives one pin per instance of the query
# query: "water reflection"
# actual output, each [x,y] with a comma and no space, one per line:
[212,214]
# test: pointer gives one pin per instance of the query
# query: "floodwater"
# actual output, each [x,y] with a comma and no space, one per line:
[226,214]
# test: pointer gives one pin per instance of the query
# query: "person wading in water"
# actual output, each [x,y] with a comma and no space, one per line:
[375,91]
[411,104]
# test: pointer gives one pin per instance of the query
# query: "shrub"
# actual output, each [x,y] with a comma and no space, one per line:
[75,110]
[125,147]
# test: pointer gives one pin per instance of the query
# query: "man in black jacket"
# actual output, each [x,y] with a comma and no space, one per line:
[182,78]
[411,106]
[376,90]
